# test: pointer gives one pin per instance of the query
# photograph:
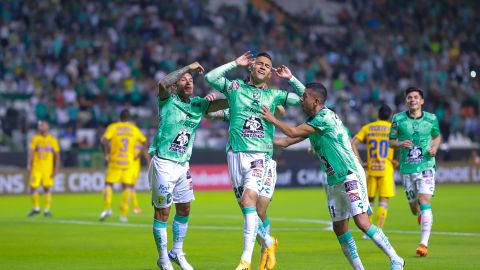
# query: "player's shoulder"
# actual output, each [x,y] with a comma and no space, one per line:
[401,116]
[429,116]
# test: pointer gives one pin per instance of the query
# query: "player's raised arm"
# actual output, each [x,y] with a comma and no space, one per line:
[302,130]
[285,73]
[168,81]
[216,77]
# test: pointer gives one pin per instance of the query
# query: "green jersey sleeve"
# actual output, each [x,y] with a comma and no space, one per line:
[394,128]
[216,77]
[435,127]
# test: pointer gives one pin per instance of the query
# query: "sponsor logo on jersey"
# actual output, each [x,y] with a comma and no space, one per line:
[351,185]
[257,172]
[256,164]
[415,155]
[233,86]
[253,128]
[328,168]
[354,196]
[180,143]
[427,173]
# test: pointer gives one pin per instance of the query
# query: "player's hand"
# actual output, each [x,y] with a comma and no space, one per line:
[432,151]
[210,97]
[404,144]
[196,67]
[245,59]
[267,114]
[283,72]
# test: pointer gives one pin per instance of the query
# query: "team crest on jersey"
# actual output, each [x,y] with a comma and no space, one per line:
[328,168]
[180,143]
[233,86]
[253,128]
[415,155]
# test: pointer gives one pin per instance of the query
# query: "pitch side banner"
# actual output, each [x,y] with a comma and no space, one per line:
[210,177]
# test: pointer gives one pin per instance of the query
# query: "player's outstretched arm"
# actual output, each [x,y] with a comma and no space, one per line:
[302,130]
[286,141]
[167,81]
[216,77]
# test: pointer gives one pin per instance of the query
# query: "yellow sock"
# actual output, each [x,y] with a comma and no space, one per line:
[382,211]
[134,199]
[36,200]
[107,198]
[125,202]
[48,201]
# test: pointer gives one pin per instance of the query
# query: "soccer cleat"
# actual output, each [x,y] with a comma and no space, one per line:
[137,210]
[422,250]
[180,260]
[270,250]
[243,265]
[123,219]
[105,214]
[397,264]
[47,214]
[263,260]
[33,212]
[165,266]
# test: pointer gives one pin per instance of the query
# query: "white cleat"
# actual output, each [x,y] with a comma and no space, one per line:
[123,219]
[398,264]
[180,260]
[105,214]
[166,266]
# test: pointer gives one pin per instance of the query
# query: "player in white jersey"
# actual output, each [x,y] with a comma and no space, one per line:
[346,185]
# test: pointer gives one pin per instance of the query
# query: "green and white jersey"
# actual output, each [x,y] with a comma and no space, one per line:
[420,131]
[332,146]
[248,131]
[177,127]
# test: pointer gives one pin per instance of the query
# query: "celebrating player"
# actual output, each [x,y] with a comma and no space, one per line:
[417,134]
[379,161]
[251,140]
[119,141]
[168,174]
[42,165]
[346,187]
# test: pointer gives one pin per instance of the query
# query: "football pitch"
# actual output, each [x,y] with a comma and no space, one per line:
[75,239]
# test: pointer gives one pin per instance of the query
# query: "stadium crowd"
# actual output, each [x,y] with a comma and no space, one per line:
[78,63]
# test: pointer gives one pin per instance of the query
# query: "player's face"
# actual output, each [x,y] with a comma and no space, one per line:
[185,85]
[43,126]
[261,70]
[414,101]
[308,101]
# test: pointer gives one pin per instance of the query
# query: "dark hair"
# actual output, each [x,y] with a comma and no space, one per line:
[318,89]
[124,115]
[264,54]
[413,89]
[384,112]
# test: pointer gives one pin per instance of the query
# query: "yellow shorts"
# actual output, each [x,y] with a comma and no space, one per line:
[115,175]
[383,185]
[43,178]
[136,172]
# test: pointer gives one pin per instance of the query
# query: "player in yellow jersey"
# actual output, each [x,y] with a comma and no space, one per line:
[119,143]
[42,165]
[379,163]
[140,150]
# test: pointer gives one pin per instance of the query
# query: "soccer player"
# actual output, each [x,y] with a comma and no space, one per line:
[346,187]
[42,165]
[379,161]
[179,115]
[119,141]
[140,151]
[251,139]
[417,134]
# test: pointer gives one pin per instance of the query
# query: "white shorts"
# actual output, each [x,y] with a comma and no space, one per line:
[170,182]
[246,171]
[349,198]
[269,180]
[418,183]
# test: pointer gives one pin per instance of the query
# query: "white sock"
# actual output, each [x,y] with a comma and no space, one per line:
[349,249]
[381,240]
[426,222]
[179,228]
[160,236]
[250,228]
[263,236]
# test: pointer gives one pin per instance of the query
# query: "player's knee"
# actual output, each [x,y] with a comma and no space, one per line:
[162,214]
[363,223]
[183,211]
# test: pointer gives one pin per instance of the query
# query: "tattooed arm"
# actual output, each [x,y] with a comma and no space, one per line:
[169,80]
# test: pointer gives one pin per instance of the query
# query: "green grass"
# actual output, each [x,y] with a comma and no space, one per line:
[74,239]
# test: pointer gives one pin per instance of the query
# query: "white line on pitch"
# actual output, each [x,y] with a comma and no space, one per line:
[226,228]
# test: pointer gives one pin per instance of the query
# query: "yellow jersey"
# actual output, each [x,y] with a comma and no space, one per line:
[44,149]
[123,137]
[379,154]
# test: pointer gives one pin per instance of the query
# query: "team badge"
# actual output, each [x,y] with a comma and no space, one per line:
[253,128]
[180,143]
